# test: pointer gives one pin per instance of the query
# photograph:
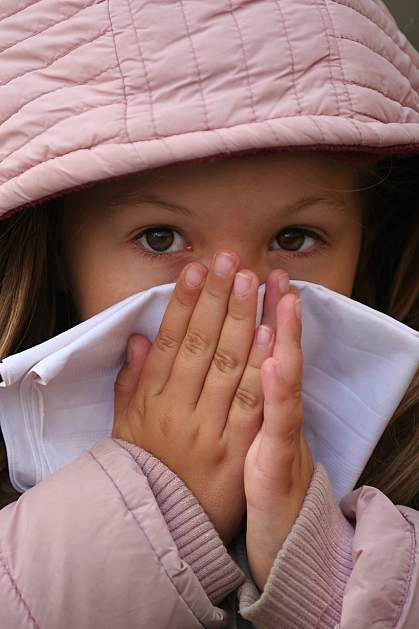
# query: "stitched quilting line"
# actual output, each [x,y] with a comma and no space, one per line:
[47,28]
[51,63]
[291,53]
[146,76]
[408,581]
[58,89]
[139,525]
[197,68]
[363,113]
[132,142]
[325,146]
[380,54]
[367,17]
[79,113]
[274,131]
[14,13]
[122,79]
[18,592]
[374,89]
[246,66]
[318,127]
[320,6]
[339,56]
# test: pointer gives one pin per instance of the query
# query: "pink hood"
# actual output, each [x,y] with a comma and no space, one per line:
[93,89]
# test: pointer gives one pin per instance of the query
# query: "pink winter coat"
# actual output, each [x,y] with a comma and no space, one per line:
[116,541]
[94,89]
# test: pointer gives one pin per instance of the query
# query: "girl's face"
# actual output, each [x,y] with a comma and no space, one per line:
[291,211]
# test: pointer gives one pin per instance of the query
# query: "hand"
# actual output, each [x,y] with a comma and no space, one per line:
[198,402]
[279,465]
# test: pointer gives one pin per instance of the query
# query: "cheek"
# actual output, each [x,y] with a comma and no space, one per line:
[101,277]
[336,267]
[340,276]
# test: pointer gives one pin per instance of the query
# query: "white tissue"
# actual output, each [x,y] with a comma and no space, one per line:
[56,399]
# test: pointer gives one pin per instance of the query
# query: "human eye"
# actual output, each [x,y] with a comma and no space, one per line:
[298,240]
[159,239]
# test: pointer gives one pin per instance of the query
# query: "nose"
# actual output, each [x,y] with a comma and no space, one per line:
[257,262]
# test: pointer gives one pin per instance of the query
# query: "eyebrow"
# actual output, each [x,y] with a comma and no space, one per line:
[130,197]
[333,199]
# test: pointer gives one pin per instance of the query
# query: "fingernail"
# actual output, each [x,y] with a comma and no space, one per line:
[224,264]
[242,284]
[194,276]
[298,308]
[284,283]
[263,335]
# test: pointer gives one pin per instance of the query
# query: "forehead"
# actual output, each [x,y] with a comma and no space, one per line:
[287,174]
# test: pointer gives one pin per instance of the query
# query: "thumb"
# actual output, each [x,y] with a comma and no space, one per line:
[127,380]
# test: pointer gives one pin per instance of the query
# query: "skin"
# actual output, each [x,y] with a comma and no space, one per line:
[217,404]
[235,204]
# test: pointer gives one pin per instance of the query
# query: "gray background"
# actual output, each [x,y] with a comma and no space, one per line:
[406,13]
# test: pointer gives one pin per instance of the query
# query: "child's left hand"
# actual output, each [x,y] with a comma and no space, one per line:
[279,466]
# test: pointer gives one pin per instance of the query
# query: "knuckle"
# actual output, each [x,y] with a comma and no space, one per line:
[183,300]
[195,342]
[166,341]
[289,438]
[299,413]
[119,387]
[295,392]
[246,399]
[216,293]
[225,362]
[237,314]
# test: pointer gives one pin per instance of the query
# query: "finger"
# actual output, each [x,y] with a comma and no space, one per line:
[201,339]
[245,416]
[173,328]
[281,431]
[127,379]
[232,352]
[277,285]
[287,349]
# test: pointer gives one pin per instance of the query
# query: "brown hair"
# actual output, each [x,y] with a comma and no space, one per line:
[387,280]
[33,309]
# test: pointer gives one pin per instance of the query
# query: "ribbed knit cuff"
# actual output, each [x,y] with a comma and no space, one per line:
[306,584]
[198,542]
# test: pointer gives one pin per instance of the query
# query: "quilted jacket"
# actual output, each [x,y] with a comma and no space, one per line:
[96,89]
[116,541]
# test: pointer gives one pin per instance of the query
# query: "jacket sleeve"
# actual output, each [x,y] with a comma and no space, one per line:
[112,541]
[351,568]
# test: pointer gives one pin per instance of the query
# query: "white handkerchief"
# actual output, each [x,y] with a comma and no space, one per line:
[56,399]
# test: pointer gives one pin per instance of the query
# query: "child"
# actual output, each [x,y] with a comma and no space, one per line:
[208,418]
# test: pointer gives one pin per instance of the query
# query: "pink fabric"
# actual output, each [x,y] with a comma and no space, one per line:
[89,548]
[115,540]
[334,574]
[94,89]
[194,535]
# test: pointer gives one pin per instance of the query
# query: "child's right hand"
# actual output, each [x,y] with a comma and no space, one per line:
[195,400]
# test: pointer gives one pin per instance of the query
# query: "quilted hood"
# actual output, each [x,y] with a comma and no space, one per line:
[96,89]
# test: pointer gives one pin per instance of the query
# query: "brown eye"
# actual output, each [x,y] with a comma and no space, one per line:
[295,239]
[160,240]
